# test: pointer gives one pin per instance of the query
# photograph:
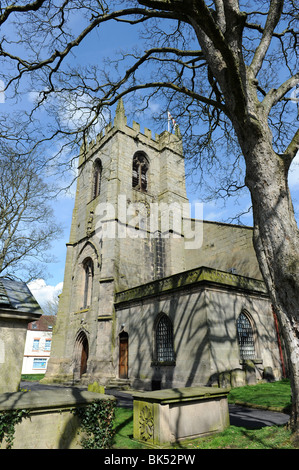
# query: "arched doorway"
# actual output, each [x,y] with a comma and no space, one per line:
[82,349]
[84,357]
[123,355]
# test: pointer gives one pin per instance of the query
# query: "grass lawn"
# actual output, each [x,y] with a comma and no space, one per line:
[275,395]
[32,377]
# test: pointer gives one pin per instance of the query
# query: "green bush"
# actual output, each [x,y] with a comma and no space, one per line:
[8,420]
[97,424]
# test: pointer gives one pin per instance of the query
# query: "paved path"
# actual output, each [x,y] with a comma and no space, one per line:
[252,418]
[249,418]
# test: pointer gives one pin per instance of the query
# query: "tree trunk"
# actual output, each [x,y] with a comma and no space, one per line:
[276,242]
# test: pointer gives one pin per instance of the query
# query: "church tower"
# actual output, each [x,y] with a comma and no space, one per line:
[126,231]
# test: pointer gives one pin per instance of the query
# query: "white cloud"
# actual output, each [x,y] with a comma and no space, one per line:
[43,292]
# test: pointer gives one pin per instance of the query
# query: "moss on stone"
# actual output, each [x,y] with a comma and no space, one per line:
[191,278]
[96,388]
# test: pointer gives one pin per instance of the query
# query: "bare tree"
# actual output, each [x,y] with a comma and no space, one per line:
[26,220]
[50,307]
[228,67]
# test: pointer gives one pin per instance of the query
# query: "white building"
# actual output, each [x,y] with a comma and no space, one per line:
[38,345]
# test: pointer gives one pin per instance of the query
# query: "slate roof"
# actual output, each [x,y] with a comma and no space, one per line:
[16,295]
[4,300]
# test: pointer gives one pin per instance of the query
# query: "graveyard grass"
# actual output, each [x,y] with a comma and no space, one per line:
[275,396]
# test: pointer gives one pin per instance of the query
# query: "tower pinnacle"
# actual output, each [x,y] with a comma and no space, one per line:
[120,119]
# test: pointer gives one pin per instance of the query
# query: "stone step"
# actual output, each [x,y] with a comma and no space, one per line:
[121,384]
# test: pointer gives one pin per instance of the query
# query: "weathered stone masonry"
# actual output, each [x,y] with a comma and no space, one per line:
[101,333]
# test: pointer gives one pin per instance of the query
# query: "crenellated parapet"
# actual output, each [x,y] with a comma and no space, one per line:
[162,141]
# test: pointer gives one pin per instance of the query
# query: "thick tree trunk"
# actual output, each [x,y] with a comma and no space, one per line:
[276,237]
[276,242]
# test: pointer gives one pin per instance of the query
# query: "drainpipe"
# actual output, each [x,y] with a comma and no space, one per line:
[279,343]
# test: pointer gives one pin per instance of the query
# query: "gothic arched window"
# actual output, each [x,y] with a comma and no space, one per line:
[97,177]
[164,340]
[140,169]
[88,281]
[245,337]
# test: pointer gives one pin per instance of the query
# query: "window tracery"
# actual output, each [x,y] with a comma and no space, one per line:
[245,337]
[164,340]
[140,170]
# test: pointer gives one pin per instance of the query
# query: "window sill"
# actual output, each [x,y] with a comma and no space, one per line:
[140,190]
[255,361]
[164,363]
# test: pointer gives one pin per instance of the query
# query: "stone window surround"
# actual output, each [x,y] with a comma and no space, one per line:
[140,166]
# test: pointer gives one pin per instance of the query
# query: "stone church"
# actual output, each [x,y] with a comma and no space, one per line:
[153,297]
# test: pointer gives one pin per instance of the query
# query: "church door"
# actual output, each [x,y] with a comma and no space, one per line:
[123,355]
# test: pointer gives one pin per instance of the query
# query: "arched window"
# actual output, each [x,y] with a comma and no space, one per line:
[164,340]
[97,177]
[140,169]
[245,337]
[88,280]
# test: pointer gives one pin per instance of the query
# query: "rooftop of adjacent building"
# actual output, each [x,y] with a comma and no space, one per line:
[17,296]
[44,323]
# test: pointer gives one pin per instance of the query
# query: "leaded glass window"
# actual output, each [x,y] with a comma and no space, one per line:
[164,340]
[245,337]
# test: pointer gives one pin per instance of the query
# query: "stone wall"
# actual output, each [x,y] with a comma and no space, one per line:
[13,328]
[227,248]
[51,423]
[203,306]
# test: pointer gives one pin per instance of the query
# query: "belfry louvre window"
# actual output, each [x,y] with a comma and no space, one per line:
[140,169]
[164,340]
[245,337]
[97,178]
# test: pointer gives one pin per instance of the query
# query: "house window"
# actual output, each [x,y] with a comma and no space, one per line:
[35,346]
[164,340]
[40,363]
[48,345]
[245,337]
[97,178]
[140,169]
[88,280]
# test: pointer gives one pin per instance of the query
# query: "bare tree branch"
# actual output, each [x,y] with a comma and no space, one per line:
[20,9]
[273,17]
